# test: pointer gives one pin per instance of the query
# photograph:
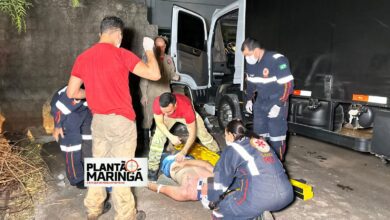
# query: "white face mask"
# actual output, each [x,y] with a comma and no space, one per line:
[251,59]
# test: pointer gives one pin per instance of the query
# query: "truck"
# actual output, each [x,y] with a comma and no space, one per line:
[339,53]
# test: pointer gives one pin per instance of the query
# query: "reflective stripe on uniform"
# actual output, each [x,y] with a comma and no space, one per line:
[71,148]
[246,156]
[278,55]
[285,79]
[63,108]
[264,135]
[262,80]
[217,214]
[219,186]
[62,90]
[85,104]
[86,137]
[278,138]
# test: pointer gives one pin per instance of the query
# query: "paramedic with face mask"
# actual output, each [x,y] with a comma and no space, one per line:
[268,75]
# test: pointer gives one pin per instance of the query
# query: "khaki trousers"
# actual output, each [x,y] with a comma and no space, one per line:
[112,136]
[159,139]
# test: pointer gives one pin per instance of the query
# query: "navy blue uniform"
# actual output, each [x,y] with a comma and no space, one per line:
[271,79]
[75,118]
[255,174]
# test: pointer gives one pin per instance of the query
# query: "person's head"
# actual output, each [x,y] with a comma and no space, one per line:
[167,103]
[111,29]
[161,43]
[235,130]
[252,50]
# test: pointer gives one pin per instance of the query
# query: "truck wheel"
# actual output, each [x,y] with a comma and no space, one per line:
[228,109]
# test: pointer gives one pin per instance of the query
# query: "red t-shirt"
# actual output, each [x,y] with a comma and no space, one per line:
[184,108]
[105,69]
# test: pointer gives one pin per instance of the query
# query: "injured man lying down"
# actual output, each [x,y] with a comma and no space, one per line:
[189,174]
[236,177]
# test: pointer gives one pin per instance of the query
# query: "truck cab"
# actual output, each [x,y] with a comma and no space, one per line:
[210,66]
[338,52]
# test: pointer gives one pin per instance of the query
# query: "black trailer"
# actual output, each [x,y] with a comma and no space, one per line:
[339,53]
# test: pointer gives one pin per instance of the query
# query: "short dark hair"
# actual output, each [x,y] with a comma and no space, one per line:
[111,22]
[250,43]
[166,99]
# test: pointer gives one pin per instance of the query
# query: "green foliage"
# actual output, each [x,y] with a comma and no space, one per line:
[16,9]
[75,3]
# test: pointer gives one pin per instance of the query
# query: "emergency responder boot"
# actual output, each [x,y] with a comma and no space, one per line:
[106,208]
[141,215]
[80,185]
[265,216]
[153,175]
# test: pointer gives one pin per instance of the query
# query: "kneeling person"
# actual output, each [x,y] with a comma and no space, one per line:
[248,179]
[168,109]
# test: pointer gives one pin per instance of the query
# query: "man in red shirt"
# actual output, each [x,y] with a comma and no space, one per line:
[168,109]
[104,69]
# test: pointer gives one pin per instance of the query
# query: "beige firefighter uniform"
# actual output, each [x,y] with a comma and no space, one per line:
[151,89]
[113,136]
[159,139]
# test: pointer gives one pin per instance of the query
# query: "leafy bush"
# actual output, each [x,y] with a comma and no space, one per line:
[17,10]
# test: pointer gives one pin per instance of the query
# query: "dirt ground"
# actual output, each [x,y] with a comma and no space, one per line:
[347,185]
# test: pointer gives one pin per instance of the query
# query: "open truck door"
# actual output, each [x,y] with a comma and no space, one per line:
[189,48]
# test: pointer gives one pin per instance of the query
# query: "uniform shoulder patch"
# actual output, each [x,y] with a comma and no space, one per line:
[282,66]
[277,55]
[260,144]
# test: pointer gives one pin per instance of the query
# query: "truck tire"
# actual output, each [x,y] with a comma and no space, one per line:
[228,109]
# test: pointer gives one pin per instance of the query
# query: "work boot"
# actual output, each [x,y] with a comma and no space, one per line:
[106,208]
[141,215]
[267,215]
[153,175]
[80,185]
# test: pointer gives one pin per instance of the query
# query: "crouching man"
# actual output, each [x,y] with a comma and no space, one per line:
[168,109]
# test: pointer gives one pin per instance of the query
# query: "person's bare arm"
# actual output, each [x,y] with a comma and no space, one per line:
[143,85]
[159,119]
[74,91]
[191,139]
[150,69]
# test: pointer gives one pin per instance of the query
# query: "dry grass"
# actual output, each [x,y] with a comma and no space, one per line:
[22,179]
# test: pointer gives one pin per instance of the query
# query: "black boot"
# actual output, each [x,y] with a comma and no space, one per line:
[80,185]
[153,175]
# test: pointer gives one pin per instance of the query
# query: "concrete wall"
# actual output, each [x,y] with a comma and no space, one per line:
[34,64]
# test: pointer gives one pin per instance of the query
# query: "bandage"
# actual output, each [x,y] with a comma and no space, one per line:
[159,188]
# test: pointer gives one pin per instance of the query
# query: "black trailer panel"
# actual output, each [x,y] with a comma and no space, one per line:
[336,48]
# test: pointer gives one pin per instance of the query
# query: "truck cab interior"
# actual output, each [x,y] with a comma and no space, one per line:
[224,48]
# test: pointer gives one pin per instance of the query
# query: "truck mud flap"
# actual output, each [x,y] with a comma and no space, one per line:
[358,144]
